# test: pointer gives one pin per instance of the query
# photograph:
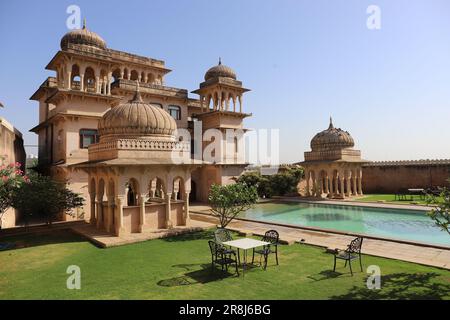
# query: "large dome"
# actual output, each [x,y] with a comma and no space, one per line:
[220,71]
[83,37]
[332,139]
[136,118]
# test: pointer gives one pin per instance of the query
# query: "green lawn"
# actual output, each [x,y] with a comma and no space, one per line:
[390,198]
[178,268]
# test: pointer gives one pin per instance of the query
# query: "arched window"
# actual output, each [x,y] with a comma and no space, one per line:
[175,112]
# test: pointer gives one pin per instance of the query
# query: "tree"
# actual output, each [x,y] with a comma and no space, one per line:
[262,183]
[11,177]
[45,198]
[228,201]
[278,184]
[441,213]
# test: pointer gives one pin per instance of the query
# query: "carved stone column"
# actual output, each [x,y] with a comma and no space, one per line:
[342,186]
[355,192]
[119,221]
[99,221]
[109,83]
[169,224]
[69,80]
[82,82]
[348,181]
[360,181]
[110,213]
[187,219]
[336,185]
[142,200]
[330,185]
[93,216]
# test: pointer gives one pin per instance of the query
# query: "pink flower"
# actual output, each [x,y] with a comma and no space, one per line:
[5,178]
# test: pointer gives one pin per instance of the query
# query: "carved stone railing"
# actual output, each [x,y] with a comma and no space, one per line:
[331,154]
[148,87]
[115,54]
[139,144]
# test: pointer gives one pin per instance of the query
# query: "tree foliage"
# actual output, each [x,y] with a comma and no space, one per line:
[441,213]
[229,200]
[45,198]
[278,184]
[11,178]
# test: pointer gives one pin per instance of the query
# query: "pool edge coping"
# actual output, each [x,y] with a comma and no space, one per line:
[333,231]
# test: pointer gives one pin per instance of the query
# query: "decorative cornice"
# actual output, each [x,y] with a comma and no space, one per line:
[422,162]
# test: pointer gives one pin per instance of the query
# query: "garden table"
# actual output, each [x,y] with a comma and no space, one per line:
[245,244]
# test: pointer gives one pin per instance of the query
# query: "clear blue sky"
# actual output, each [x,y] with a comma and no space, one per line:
[303,60]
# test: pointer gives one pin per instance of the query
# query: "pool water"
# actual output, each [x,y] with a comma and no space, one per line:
[402,224]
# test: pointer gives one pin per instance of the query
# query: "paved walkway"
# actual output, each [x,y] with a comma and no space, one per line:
[382,248]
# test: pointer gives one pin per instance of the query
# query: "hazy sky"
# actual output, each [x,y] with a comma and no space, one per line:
[303,60]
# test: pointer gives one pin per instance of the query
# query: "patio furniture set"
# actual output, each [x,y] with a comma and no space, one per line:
[225,251]
[408,194]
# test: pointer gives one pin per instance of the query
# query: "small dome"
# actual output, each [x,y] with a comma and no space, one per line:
[332,139]
[136,117]
[83,37]
[220,71]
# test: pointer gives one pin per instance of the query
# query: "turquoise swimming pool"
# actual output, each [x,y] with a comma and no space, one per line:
[409,225]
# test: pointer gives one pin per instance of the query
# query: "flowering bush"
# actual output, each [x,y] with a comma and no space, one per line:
[11,177]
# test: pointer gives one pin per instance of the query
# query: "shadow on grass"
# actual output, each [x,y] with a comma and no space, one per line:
[403,286]
[41,238]
[197,235]
[326,275]
[204,275]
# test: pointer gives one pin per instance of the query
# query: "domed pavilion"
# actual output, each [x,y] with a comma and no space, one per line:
[139,174]
[333,167]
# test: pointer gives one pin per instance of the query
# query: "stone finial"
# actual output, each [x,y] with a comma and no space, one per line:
[84,23]
[220,61]
[331,123]
[137,95]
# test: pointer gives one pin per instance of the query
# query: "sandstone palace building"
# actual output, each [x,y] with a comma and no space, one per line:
[107,127]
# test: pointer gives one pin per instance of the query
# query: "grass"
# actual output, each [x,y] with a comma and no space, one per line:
[179,268]
[390,198]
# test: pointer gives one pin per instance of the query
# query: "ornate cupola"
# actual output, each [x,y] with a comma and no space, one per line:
[83,37]
[332,139]
[221,91]
[136,118]
[332,144]
[220,71]
[137,130]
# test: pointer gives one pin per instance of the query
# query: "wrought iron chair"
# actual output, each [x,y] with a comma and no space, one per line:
[273,237]
[222,235]
[352,252]
[220,258]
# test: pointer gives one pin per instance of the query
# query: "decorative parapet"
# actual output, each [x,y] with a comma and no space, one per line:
[332,154]
[149,88]
[422,162]
[115,54]
[139,144]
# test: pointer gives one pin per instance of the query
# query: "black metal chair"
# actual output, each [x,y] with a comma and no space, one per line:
[273,237]
[220,258]
[222,235]
[352,252]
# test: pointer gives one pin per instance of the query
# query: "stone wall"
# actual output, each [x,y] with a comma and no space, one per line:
[390,177]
